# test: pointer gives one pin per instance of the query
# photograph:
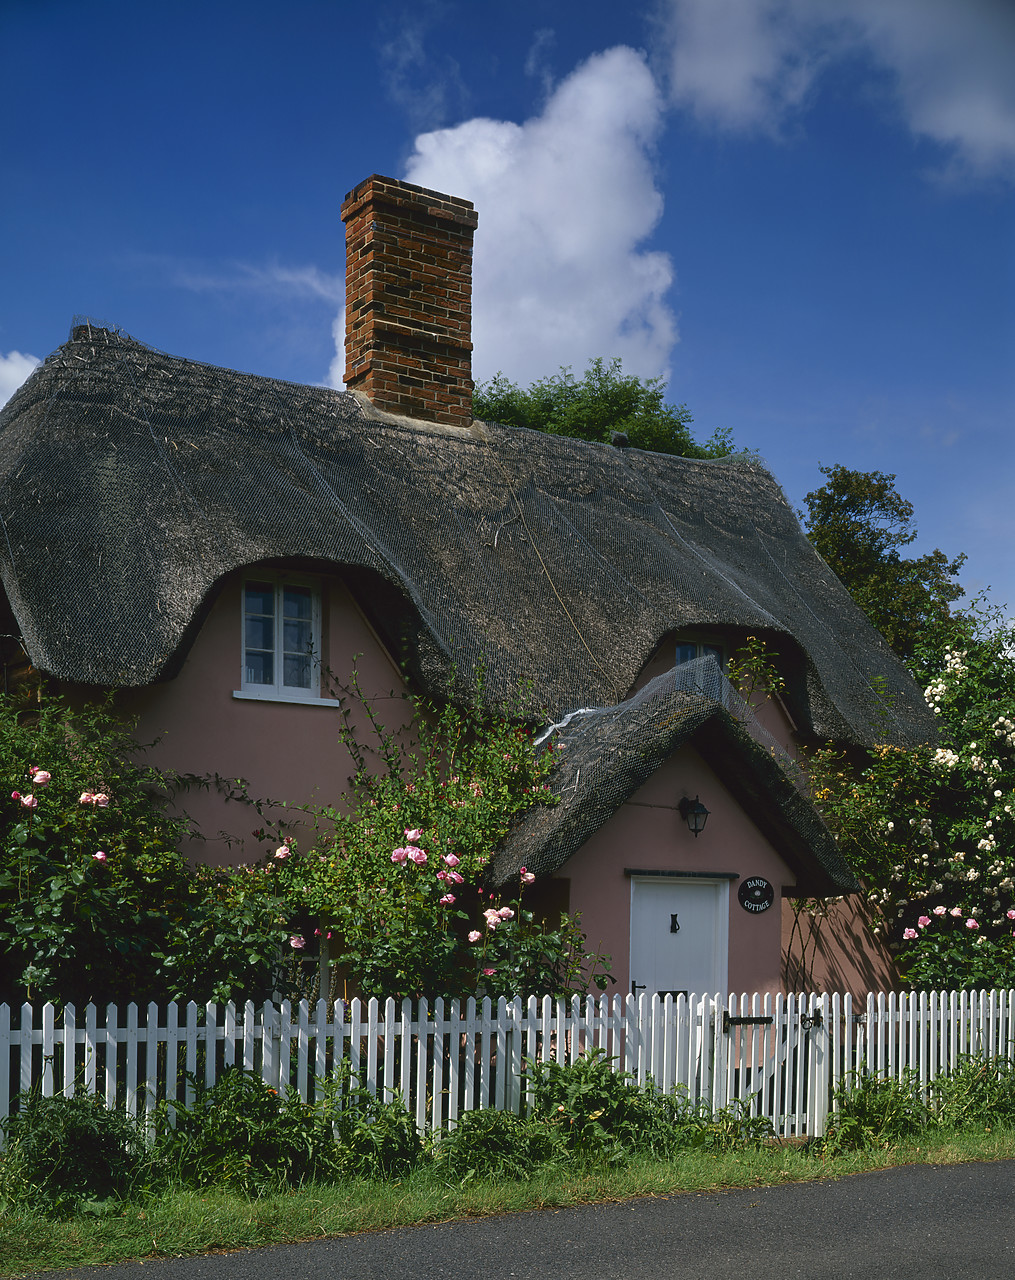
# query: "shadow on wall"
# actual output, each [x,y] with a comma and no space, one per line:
[831,946]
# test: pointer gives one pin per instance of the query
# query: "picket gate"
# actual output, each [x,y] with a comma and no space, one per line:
[779,1056]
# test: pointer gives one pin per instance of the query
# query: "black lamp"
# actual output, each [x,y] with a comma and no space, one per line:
[694,814]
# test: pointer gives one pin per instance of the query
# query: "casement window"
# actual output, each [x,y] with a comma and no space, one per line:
[688,650]
[281,639]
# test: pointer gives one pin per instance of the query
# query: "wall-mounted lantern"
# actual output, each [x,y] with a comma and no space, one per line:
[694,814]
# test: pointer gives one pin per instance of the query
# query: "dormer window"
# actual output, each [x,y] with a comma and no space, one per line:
[281,638]
[688,650]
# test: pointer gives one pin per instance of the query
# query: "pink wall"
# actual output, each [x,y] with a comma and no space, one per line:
[286,751]
[833,948]
[648,833]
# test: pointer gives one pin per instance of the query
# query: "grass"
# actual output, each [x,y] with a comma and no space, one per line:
[187,1222]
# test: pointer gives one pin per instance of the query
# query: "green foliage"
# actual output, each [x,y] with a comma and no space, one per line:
[603,400]
[395,877]
[62,1152]
[930,830]
[602,1113]
[875,1111]
[979,1091]
[858,523]
[96,900]
[497,1144]
[240,1134]
[378,1139]
[752,670]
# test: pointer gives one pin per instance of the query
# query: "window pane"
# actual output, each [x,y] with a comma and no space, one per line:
[686,652]
[260,598]
[258,633]
[298,603]
[258,668]
[714,649]
[297,636]
[297,671]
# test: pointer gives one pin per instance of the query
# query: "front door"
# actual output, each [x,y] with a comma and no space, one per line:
[679,935]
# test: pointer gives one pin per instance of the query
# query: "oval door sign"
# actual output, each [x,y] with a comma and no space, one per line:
[756,894]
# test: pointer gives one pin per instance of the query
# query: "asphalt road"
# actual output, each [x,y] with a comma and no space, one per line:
[923,1222]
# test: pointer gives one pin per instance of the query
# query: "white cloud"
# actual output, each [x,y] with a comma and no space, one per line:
[272,280]
[565,200]
[748,65]
[14,369]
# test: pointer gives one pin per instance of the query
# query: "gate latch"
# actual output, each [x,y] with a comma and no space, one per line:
[728,1021]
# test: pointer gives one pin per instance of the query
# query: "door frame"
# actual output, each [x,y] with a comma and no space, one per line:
[721,933]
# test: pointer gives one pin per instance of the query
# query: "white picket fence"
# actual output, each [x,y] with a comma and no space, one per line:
[777,1056]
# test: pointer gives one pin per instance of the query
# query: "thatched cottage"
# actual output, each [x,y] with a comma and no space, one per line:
[208,542]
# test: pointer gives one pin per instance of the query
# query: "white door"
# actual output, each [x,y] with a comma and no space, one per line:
[679,934]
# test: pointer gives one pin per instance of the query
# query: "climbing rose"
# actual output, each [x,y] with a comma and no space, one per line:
[282,851]
[923,921]
[451,860]
[101,799]
[297,943]
[527,876]
[455,878]
[972,924]
[414,835]
[39,776]
[447,900]
[417,856]
[506,913]
[1010,913]
[956,912]
[99,856]
[29,802]
[488,973]
[15,795]
[475,935]
[86,797]
[400,855]
[940,911]
[909,933]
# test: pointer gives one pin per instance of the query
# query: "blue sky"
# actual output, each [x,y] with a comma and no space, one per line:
[800,212]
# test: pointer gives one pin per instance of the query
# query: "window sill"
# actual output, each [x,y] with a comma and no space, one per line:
[293,699]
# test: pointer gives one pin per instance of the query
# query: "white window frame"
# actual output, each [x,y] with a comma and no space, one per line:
[277,691]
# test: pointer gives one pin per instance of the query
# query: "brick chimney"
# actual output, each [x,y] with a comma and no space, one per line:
[408,299]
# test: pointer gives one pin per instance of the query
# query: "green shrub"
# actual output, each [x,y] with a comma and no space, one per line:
[240,1134]
[376,1139]
[875,1111]
[603,1114]
[62,1152]
[497,1144]
[978,1091]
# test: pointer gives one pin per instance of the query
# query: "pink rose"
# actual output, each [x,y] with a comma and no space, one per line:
[475,935]
[100,856]
[908,934]
[488,973]
[86,797]
[451,860]
[923,921]
[455,878]
[416,855]
[282,851]
[527,876]
[956,912]
[399,855]
[29,802]
[447,900]
[1010,913]
[506,913]
[101,799]
[971,923]
[39,776]
[940,911]
[33,769]
[15,795]
[414,835]
[297,942]
[442,875]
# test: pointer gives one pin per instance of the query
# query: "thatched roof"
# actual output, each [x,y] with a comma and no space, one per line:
[606,755]
[131,482]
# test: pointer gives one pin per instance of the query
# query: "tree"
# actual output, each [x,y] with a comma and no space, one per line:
[858,523]
[604,400]
[930,830]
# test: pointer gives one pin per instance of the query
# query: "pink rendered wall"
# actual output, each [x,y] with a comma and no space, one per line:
[648,833]
[286,751]
[833,948]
